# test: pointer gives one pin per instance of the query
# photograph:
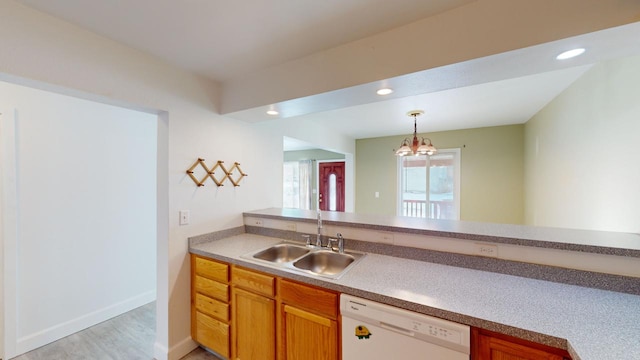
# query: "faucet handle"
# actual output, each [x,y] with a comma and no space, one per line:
[307,239]
[340,243]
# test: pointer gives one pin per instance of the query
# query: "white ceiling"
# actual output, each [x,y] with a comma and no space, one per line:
[221,39]
[506,102]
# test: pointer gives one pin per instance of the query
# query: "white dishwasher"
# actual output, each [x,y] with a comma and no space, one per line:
[373,331]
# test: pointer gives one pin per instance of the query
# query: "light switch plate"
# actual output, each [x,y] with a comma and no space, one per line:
[184,217]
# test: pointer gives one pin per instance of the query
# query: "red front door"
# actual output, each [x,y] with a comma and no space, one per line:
[331,186]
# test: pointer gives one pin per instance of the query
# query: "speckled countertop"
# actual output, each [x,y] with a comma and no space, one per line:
[591,324]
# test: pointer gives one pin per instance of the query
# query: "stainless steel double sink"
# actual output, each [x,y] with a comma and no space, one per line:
[318,261]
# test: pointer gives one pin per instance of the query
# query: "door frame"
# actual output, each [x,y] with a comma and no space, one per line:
[8,236]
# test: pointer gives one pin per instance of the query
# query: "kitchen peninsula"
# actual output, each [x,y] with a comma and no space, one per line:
[587,321]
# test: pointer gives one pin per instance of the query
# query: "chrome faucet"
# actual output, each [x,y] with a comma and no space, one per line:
[319,236]
[339,241]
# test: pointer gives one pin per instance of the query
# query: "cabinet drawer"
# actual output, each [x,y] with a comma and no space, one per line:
[212,269]
[212,307]
[212,333]
[253,281]
[313,299]
[211,288]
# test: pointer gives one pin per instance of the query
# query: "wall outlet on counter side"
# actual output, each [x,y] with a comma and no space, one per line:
[489,250]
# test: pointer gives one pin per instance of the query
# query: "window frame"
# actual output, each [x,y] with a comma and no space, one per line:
[456,187]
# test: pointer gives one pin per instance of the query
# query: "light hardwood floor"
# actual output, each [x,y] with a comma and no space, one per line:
[129,336]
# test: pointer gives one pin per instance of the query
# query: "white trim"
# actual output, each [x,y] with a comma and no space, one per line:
[162,233]
[9,234]
[178,351]
[458,176]
[59,331]
[399,185]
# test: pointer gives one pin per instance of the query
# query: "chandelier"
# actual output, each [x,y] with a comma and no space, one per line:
[416,147]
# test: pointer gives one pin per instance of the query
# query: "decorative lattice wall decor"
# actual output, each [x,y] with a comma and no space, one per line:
[210,173]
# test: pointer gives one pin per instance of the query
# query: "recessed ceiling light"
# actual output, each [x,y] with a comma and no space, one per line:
[385,91]
[569,54]
[272,112]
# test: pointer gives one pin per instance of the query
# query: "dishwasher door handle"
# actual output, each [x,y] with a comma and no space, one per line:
[397,329]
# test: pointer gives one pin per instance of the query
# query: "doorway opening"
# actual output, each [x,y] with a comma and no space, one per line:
[70,167]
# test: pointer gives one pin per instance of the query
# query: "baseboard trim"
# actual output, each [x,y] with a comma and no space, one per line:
[53,333]
[178,351]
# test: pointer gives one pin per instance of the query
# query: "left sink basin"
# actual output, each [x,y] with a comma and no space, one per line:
[281,253]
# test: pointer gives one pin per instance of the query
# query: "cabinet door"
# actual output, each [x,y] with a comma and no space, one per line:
[308,336]
[492,348]
[254,326]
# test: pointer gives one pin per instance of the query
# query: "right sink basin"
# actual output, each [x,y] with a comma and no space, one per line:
[324,262]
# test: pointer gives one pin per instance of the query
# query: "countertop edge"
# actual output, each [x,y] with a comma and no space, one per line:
[506,235]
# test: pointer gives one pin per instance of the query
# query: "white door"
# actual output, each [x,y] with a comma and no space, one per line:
[2,222]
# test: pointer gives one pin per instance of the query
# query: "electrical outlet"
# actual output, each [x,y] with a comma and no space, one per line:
[379,237]
[290,226]
[258,222]
[489,250]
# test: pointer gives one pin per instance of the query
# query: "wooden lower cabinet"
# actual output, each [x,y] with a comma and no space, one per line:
[254,325]
[210,325]
[309,321]
[243,314]
[212,333]
[487,345]
[308,336]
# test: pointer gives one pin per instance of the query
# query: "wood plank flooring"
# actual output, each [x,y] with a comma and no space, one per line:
[129,336]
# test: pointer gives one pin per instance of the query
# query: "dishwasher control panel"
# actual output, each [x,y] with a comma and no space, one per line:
[439,332]
[419,326]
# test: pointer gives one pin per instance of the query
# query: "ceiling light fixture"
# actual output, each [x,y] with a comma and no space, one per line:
[416,147]
[570,54]
[384,91]
[272,112]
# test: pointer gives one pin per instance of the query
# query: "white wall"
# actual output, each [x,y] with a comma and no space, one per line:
[46,52]
[581,153]
[477,29]
[86,213]
[5,188]
[51,54]
[320,136]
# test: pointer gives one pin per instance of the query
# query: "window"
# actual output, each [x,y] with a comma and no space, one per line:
[429,186]
[296,180]
[333,205]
